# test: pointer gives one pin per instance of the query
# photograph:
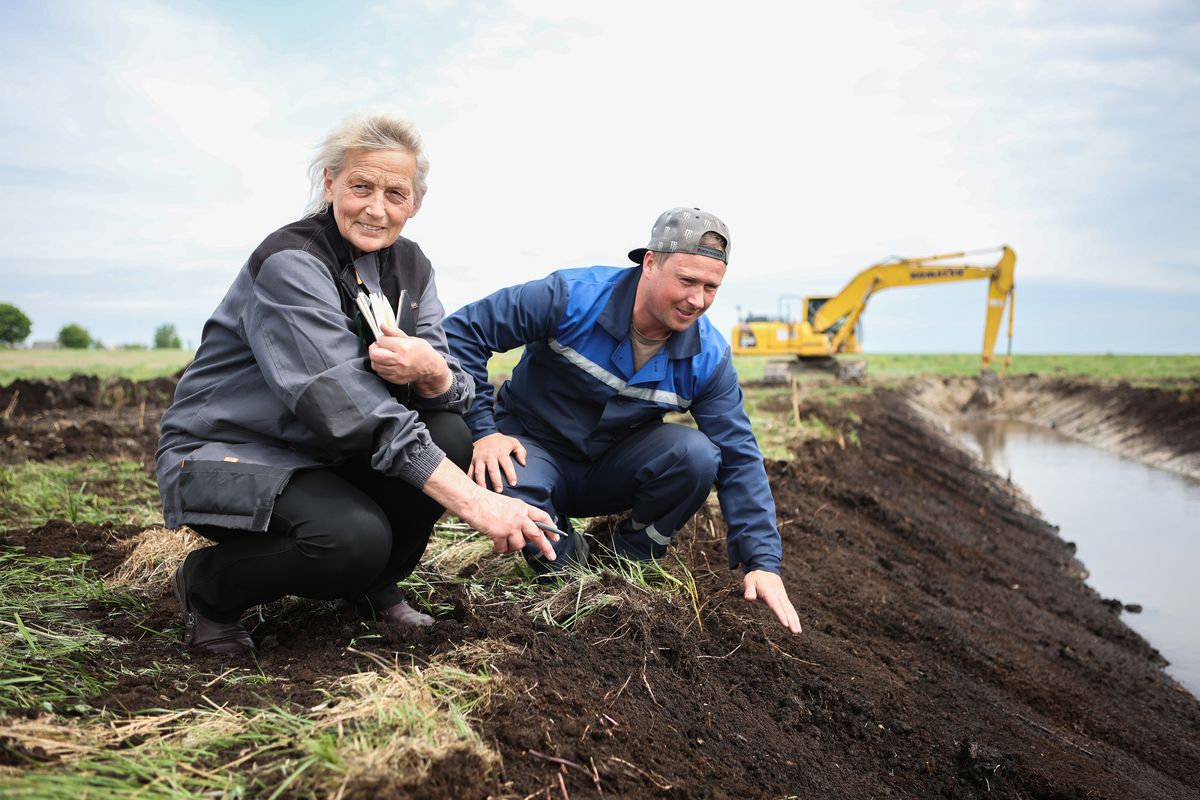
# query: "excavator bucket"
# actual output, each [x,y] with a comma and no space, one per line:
[987,392]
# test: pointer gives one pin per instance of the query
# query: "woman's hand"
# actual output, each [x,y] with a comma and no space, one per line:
[508,522]
[402,359]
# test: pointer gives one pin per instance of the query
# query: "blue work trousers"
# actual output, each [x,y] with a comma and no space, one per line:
[661,473]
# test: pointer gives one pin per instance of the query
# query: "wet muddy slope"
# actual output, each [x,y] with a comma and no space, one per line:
[1160,427]
[950,649]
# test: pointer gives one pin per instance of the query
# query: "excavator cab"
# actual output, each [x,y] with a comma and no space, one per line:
[853,342]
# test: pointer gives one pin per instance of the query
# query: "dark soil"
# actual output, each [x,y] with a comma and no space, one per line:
[83,417]
[61,538]
[25,397]
[950,650]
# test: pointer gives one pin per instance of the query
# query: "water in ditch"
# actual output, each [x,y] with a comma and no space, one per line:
[1137,528]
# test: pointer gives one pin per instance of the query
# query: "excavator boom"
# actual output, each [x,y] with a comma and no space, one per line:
[830,323]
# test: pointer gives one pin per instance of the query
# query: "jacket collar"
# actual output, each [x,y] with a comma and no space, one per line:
[618,315]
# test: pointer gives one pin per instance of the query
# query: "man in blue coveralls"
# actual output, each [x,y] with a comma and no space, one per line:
[608,352]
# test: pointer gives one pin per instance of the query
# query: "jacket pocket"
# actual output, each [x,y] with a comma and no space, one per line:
[229,494]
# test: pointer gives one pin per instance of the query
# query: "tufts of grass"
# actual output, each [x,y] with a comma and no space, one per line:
[46,653]
[379,731]
[772,429]
[34,493]
[579,592]
[623,582]
[457,555]
[153,556]
[813,427]
[656,576]
[453,547]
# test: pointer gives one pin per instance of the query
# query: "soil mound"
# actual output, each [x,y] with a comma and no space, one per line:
[125,433]
[83,417]
[27,397]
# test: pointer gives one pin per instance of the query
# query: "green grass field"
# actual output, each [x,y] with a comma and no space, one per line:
[138,365]
[144,364]
[1140,369]
[1099,366]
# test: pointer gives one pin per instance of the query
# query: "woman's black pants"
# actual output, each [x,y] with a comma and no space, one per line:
[346,531]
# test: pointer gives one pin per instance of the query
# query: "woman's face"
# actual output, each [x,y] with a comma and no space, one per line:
[372,197]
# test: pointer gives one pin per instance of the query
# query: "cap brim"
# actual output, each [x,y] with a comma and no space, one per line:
[639,255]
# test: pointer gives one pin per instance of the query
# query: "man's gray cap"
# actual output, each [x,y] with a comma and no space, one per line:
[680,230]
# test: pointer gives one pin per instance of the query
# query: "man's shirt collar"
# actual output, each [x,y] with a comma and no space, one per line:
[618,315]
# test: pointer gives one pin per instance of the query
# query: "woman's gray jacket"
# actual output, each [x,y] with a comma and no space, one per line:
[282,380]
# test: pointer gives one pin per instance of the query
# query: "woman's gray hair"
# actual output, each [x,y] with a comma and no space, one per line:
[369,130]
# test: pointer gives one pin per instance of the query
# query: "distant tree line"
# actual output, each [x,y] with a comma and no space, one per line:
[15,327]
[74,336]
[166,338]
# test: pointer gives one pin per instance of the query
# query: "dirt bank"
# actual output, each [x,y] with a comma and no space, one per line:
[82,417]
[1160,427]
[950,650]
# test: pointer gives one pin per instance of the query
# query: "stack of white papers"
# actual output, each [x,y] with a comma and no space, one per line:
[377,312]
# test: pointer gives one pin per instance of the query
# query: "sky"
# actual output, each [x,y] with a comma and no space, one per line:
[146,148]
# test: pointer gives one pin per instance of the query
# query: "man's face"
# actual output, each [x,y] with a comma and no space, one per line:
[674,291]
[372,197]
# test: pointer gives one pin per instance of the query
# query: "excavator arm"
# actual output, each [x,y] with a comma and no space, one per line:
[1001,292]
[847,306]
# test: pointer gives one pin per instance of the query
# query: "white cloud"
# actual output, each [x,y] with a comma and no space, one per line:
[787,124]
[828,136]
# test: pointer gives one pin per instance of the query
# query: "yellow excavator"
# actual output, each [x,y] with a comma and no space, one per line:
[833,324]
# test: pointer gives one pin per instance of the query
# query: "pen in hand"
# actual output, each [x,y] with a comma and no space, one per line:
[550,528]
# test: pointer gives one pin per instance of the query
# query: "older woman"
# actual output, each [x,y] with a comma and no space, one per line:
[317,458]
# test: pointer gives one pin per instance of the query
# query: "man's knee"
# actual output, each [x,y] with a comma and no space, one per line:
[696,455]
[449,431]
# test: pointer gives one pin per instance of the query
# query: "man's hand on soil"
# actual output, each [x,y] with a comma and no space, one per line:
[768,587]
[493,455]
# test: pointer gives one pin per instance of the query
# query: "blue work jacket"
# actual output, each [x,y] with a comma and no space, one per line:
[576,393]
